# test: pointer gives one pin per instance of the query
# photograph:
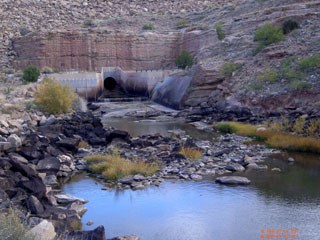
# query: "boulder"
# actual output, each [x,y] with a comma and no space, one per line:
[50,164]
[196,177]
[138,177]
[5,146]
[34,205]
[69,143]
[15,140]
[23,168]
[66,198]
[235,167]
[18,157]
[43,231]
[96,234]
[131,237]
[126,180]
[78,207]
[34,186]
[30,153]
[116,134]
[233,180]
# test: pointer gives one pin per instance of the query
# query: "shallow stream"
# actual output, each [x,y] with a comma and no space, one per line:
[287,201]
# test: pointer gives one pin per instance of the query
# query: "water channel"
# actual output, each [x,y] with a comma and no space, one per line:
[287,201]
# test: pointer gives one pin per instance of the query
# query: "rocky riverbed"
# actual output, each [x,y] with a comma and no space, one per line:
[37,160]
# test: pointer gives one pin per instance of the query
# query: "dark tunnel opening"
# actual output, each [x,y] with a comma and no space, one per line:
[110,83]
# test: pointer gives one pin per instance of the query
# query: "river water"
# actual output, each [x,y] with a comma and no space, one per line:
[286,202]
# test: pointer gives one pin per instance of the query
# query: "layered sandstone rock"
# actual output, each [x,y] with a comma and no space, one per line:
[96,49]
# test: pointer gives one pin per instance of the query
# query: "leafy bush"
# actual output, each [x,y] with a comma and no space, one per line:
[184,60]
[299,85]
[113,166]
[310,63]
[220,32]
[267,34]
[148,26]
[182,23]
[289,25]
[289,72]
[31,74]
[228,69]
[54,98]
[269,75]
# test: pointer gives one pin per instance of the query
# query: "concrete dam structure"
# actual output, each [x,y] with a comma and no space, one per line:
[166,87]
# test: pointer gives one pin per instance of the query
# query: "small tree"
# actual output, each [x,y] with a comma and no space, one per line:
[31,74]
[184,60]
[53,97]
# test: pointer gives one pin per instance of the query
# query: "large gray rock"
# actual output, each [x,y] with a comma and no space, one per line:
[131,237]
[233,180]
[5,146]
[18,157]
[50,164]
[66,198]
[235,167]
[34,205]
[78,207]
[15,140]
[43,231]
[126,180]
[96,234]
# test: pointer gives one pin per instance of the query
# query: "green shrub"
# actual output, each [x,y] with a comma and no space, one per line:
[228,69]
[182,23]
[220,32]
[267,34]
[269,75]
[299,85]
[289,72]
[225,127]
[184,60]
[31,74]
[54,98]
[310,63]
[289,25]
[148,26]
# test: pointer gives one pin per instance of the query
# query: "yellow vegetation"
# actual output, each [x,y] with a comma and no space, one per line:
[272,138]
[53,97]
[191,153]
[113,166]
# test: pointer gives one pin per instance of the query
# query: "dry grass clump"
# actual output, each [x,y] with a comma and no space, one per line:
[11,227]
[113,166]
[272,138]
[191,153]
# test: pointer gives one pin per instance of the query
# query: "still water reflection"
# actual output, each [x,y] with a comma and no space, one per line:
[207,211]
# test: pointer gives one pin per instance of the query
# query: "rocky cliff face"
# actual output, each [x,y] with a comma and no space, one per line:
[131,48]
[96,49]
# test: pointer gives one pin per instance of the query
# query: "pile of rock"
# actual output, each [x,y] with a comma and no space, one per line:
[33,166]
